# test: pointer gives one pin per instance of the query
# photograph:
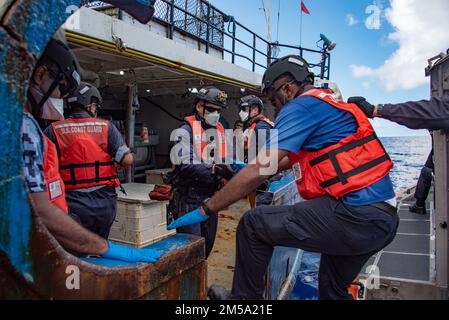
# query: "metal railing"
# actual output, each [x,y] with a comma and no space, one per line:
[239,45]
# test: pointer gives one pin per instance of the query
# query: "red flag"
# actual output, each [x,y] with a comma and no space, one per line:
[304,8]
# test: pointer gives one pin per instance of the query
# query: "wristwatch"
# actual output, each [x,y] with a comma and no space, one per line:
[206,209]
[379,110]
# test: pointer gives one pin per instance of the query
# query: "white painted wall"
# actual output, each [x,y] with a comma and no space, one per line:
[138,37]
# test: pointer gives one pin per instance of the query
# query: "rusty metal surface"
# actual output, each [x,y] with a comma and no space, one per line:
[180,274]
[32,264]
[190,286]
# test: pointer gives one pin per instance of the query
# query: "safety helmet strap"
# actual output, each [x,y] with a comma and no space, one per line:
[36,107]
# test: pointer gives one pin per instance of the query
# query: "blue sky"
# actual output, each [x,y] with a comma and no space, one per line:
[357,45]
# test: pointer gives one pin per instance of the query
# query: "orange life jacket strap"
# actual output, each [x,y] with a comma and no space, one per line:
[342,177]
[90,180]
[87,165]
[97,179]
[342,149]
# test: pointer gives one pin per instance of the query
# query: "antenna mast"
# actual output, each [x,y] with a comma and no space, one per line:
[268,21]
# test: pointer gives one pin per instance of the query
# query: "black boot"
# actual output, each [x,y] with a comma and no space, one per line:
[418,209]
[216,292]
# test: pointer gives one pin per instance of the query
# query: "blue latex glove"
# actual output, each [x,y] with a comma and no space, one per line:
[191,218]
[275,186]
[128,254]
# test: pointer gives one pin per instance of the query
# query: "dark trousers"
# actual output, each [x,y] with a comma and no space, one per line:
[424,182]
[345,236]
[94,210]
[207,230]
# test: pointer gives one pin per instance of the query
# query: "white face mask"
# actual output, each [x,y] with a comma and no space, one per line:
[212,118]
[52,109]
[244,116]
[58,104]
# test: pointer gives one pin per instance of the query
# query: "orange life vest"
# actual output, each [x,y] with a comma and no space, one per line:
[53,180]
[352,164]
[252,129]
[200,142]
[84,159]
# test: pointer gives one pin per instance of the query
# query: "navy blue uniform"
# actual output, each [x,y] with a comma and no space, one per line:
[431,115]
[261,125]
[424,182]
[193,183]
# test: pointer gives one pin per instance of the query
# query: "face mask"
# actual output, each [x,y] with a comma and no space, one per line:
[244,116]
[212,118]
[58,104]
[52,109]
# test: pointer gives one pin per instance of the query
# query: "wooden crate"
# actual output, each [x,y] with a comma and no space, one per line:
[156,176]
[140,221]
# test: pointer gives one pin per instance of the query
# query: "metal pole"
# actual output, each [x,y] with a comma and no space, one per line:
[269,55]
[171,29]
[130,127]
[254,52]
[208,28]
[323,64]
[268,32]
[300,30]
[268,21]
[233,41]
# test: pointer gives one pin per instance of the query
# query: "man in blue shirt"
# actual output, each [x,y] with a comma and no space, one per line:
[346,230]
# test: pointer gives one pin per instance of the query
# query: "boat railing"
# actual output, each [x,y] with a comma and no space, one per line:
[200,20]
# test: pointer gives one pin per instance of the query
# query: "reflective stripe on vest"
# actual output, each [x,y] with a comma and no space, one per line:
[55,185]
[352,164]
[84,161]
[199,140]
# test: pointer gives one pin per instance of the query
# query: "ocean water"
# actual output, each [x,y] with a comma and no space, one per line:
[409,155]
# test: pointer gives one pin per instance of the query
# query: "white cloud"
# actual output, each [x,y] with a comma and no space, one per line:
[351,20]
[366,85]
[421,30]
